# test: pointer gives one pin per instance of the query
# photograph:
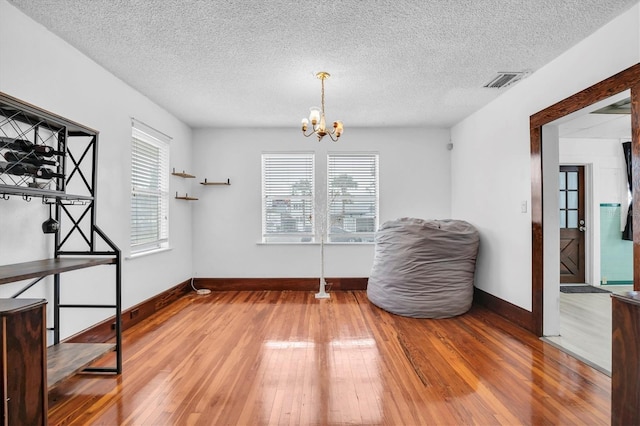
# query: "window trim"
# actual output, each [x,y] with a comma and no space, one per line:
[354,237]
[143,133]
[296,237]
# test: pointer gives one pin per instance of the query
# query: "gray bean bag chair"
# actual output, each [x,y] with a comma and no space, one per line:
[424,268]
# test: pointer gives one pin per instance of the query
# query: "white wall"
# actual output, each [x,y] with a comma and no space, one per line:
[491,165]
[38,67]
[609,167]
[414,181]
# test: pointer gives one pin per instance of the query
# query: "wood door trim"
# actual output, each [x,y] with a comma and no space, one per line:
[627,79]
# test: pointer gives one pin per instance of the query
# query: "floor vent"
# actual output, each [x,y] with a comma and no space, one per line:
[504,79]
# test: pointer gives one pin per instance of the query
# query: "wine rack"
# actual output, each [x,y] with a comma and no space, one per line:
[45,155]
[37,157]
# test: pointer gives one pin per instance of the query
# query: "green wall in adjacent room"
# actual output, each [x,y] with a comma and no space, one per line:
[616,254]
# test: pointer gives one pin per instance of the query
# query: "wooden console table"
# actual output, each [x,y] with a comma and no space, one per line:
[625,360]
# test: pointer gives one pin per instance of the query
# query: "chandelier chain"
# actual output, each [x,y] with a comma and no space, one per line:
[322,80]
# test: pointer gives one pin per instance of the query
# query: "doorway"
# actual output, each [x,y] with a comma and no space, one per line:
[590,162]
[572,224]
[545,302]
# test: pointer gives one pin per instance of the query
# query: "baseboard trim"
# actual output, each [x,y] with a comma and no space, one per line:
[104,331]
[279,284]
[513,313]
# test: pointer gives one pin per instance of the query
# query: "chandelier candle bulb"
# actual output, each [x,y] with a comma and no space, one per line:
[314,115]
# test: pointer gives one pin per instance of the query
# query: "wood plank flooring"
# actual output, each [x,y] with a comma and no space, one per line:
[585,326]
[258,358]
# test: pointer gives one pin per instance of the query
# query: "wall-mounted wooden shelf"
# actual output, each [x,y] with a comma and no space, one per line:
[185,197]
[228,182]
[182,174]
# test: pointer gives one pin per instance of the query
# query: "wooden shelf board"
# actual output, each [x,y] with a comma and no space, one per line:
[66,359]
[40,268]
[183,175]
[186,198]
[228,182]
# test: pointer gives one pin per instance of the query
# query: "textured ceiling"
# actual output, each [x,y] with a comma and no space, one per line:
[252,63]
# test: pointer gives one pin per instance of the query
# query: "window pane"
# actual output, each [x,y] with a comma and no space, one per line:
[572,180]
[562,202]
[288,193]
[149,191]
[572,219]
[572,199]
[563,219]
[563,180]
[352,210]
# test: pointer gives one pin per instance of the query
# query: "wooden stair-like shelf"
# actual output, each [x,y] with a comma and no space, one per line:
[228,182]
[67,359]
[63,359]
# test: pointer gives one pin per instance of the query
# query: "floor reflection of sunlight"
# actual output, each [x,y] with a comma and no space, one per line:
[353,343]
[288,344]
[337,381]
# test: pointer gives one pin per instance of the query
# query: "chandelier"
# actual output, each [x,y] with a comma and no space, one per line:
[316,117]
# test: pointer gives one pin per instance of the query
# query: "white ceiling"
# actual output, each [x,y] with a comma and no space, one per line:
[599,126]
[588,124]
[252,63]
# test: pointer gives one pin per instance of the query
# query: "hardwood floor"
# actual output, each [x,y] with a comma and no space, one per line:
[287,358]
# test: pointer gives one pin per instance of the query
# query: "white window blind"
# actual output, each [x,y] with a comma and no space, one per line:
[149,189]
[287,194]
[352,197]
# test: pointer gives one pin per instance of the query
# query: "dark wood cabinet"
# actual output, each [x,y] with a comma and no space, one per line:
[24,361]
[625,361]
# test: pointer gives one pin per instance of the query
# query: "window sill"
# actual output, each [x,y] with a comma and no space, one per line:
[147,253]
[310,243]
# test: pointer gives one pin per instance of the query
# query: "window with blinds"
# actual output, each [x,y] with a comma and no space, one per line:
[287,197]
[149,189]
[352,197]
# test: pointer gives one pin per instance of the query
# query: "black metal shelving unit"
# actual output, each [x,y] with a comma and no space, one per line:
[69,184]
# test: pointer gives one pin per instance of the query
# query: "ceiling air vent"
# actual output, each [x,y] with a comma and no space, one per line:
[504,79]
[620,107]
